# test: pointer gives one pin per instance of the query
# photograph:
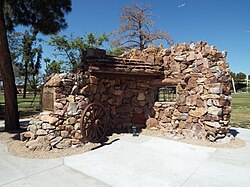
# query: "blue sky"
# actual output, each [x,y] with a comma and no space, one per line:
[223,23]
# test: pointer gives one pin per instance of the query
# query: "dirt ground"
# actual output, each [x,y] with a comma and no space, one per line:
[17,147]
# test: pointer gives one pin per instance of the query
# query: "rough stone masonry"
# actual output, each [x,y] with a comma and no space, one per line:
[128,87]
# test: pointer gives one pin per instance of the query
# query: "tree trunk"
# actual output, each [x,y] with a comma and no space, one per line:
[25,79]
[140,36]
[6,70]
[27,53]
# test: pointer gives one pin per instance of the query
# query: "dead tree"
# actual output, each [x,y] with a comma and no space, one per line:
[137,28]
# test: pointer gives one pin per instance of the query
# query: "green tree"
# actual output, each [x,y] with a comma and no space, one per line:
[35,64]
[240,76]
[137,28]
[15,45]
[14,40]
[29,52]
[53,67]
[34,68]
[47,17]
[239,80]
[116,51]
[70,47]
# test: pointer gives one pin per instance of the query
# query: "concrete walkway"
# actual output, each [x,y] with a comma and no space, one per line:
[134,161]
[15,172]
[23,122]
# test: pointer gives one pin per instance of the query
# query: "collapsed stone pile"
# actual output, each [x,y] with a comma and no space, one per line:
[127,86]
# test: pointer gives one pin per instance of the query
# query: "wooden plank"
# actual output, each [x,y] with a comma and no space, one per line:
[165,82]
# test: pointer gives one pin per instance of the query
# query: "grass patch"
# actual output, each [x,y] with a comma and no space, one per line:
[241,110]
[1,99]
[26,102]
[24,105]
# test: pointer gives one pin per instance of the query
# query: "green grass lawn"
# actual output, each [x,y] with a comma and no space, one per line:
[24,105]
[241,110]
[1,99]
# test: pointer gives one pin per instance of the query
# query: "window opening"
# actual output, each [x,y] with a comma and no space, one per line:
[167,93]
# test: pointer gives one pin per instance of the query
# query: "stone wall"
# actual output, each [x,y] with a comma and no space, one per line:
[59,127]
[202,77]
[127,86]
[127,100]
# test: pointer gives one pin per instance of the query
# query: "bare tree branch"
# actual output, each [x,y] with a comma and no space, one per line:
[136,29]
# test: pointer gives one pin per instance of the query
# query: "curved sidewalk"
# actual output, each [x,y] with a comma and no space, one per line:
[134,161]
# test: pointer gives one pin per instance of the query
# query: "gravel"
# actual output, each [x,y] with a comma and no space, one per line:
[18,148]
[234,142]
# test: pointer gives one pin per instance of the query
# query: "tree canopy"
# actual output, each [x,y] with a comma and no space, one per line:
[14,40]
[45,16]
[137,28]
[52,67]
[70,47]
[240,80]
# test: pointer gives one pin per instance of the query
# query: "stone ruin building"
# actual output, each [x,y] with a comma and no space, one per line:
[183,91]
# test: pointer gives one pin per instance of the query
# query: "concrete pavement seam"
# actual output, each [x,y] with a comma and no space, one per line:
[31,175]
[84,174]
[13,181]
[197,168]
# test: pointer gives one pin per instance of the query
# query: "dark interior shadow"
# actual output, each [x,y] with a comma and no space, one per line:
[2,111]
[104,144]
[27,114]
[234,132]
[125,130]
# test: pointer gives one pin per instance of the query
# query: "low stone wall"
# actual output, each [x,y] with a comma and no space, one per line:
[60,127]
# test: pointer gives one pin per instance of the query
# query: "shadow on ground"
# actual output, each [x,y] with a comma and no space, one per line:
[105,144]
[234,132]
